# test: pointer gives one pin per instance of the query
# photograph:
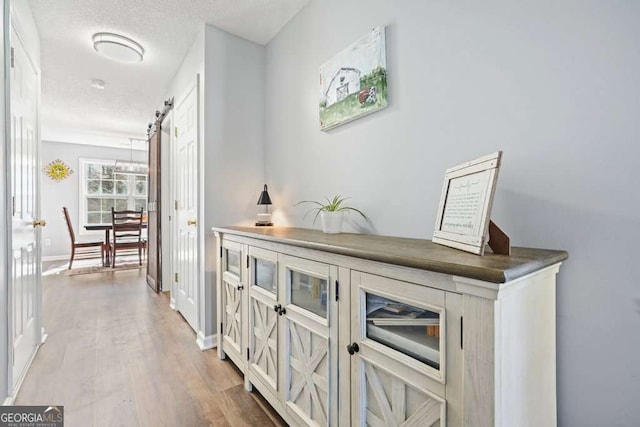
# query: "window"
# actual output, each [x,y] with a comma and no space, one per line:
[101,188]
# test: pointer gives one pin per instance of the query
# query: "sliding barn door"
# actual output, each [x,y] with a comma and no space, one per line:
[153,207]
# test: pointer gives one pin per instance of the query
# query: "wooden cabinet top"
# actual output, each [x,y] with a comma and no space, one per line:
[415,253]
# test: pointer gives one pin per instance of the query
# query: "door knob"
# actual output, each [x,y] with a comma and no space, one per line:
[353,348]
[192,222]
[38,222]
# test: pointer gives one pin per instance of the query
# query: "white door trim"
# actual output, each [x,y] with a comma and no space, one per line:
[12,23]
[5,244]
[202,340]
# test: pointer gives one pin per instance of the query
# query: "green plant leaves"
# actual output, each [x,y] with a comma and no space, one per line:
[332,205]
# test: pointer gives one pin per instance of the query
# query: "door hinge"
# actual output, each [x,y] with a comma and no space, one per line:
[176,131]
[461,332]
[13,58]
[220,328]
[176,278]
[175,204]
[247,260]
[13,205]
[247,353]
[337,290]
[220,251]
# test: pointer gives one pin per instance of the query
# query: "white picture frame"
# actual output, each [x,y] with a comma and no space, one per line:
[465,204]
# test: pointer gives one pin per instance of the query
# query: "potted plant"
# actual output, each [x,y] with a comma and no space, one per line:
[331,213]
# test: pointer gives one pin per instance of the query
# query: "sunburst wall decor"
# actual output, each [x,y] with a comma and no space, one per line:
[58,170]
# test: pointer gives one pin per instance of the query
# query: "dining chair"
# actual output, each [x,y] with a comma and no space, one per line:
[126,232]
[85,250]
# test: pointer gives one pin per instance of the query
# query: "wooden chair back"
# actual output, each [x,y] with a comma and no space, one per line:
[69,224]
[126,226]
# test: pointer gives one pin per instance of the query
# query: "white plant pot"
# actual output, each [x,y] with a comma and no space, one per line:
[331,221]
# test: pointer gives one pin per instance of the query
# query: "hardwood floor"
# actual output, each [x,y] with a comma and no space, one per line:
[117,355]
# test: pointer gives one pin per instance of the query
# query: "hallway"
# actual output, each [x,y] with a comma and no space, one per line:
[117,355]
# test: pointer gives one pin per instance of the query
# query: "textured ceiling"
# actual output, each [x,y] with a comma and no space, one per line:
[73,111]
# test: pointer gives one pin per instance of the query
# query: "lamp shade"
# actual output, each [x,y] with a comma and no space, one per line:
[264,197]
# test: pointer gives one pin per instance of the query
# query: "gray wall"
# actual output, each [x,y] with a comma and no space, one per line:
[234,140]
[555,86]
[232,130]
[55,195]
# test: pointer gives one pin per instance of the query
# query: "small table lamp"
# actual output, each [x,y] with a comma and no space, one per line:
[264,217]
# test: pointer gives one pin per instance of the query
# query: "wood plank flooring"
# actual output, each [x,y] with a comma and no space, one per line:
[117,355]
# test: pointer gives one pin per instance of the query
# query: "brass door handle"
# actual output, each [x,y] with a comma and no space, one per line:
[192,222]
[38,222]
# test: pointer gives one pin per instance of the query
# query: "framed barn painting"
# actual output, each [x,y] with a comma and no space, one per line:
[354,82]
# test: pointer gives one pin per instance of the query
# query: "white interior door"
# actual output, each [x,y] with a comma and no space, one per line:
[186,207]
[25,276]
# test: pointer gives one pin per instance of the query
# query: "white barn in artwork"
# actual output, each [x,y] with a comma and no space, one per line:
[344,82]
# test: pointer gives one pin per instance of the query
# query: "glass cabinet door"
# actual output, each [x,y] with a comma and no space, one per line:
[264,274]
[309,292]
[232,301]
[411,330]
[399,352]
[402,321]
[263,319]
[309,341]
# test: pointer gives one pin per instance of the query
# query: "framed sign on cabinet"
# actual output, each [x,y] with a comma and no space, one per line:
[463,220]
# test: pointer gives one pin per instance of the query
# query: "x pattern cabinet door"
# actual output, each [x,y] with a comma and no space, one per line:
[391,401]
[308,369]
[310,345]
[233,301]
[233,316]
[263,335]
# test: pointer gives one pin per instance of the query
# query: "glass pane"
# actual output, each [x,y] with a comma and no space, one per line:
[107,204]
[93,218]
[93,171]
[141,188]
[140,204]
[410,330]
[107,172]
[122,187]
[233,262]
[121,204]
[93,205]
[106,218]
[121,177]
[93,186]
[264,274]
[107,187]
[309,293]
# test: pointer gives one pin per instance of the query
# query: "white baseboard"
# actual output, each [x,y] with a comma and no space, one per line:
[11,398]
[56,258]
[208,342]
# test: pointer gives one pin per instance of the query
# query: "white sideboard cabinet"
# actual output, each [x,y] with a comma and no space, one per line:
[360,330]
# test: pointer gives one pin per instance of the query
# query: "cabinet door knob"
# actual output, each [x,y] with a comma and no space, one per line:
[38,223]
[277,308]
[240,287]
[353,348]
[282,311]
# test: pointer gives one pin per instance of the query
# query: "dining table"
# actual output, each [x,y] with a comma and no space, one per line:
[107,236]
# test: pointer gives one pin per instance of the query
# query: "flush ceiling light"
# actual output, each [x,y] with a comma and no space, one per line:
[117,47]
[98,84]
